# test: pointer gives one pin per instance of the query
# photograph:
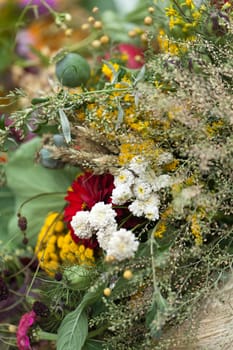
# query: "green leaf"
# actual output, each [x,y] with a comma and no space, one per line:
[65,124]
[73,331]
[27,179]
[69,337]
[120,116]
[158,314]
[6,211]
[92,344]
[141,75]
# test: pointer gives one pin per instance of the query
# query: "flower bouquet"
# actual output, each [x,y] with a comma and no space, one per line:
[118,211]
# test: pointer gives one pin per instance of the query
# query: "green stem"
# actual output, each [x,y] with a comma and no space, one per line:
[46,335]
[105,90]
[97,331]
[153,261]
[83,43]
[38,196]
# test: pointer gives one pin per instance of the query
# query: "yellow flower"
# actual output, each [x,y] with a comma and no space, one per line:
[213,128]
[170,11]
[171,166]
[189,3]
[196,230]
[55,246]
[160,230]
[196,15]
[129,150]
[109,70]
[167,45]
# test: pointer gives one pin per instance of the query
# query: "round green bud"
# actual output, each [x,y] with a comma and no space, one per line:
[79,277]
[72,70]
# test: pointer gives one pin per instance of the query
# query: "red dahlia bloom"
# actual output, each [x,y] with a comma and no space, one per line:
[87,190]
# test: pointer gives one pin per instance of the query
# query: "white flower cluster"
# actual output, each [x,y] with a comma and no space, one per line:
[100,220]
[139,185]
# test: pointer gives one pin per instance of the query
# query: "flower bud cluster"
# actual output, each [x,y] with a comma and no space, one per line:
[139,185]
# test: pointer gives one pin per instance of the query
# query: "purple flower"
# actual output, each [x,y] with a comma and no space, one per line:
[25,323]
[41,7]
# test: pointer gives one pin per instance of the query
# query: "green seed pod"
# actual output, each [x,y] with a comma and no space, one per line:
[79,277]
[72,70]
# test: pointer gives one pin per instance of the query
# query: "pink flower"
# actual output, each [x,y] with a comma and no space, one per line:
[132,55]
[135,55]
[26,321]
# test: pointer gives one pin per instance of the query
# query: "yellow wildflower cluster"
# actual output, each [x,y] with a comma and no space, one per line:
[55,246]
[73,252]
[116,110]
[110,69]
[214,128]
[166,45]
[185,24]
[196,230]
[161,227]
[129,150]
[172,166]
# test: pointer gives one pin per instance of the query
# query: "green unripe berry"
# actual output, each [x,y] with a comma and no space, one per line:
[72,70]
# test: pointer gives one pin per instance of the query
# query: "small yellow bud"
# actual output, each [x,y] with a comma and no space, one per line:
[85,26]
[107,292]
[138,58]
[91,19]
[128,275]
[68,32]
[12,328]
[96,44]
[104,39]
[151,9]
[138,30]
[68,17]
[132,33]
[95,9]
[148,20]
[97,25]
[144,37]
[109,258]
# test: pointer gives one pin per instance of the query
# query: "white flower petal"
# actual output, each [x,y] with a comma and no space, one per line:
[80,224]
[121,194]
[102,215]
[122,245]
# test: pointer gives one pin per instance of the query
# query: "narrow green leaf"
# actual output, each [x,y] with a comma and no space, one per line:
[140,75]
[73,331]
[92,344]
[120,116]
[65,125]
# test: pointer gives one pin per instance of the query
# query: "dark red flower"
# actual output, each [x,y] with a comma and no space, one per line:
[87,190]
